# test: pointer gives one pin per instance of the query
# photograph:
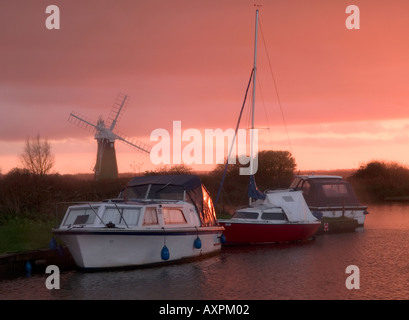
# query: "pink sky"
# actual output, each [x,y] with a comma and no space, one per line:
[343,92]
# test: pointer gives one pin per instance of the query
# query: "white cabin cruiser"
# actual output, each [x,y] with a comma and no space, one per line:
[330,197]
[155,219]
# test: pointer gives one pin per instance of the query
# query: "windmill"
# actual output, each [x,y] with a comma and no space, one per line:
[106,164]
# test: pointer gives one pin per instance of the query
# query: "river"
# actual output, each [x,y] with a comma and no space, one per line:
[314,270]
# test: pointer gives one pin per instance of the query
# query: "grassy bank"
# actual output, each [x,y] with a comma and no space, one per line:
[25,235]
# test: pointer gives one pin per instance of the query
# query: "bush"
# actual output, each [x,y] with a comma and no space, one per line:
[30,196]
[383,180]
[25,195]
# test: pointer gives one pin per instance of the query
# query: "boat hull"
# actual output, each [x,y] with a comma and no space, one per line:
[357,213]
[95,249]
[254,233]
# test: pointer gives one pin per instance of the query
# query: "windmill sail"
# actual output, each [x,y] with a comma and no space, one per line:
[134,143]
[82,122]
[117,111]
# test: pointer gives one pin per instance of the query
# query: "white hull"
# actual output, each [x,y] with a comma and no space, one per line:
[174,212]
[336,212]
[330,196]
[110,249]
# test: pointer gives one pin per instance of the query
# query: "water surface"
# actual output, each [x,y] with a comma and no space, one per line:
[312,270]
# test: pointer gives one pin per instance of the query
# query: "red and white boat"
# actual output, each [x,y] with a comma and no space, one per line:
[276,216]
[283,216]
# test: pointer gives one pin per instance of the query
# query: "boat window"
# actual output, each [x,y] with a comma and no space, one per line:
[306,188]
[273,216]
[121,216]
[335,190]
[150,217]
[167,192]
[156,191]
[131,216]
[208,216]
[80,216]
[296,183]
[246,215]
[288,198]
[138,192]
[173,216]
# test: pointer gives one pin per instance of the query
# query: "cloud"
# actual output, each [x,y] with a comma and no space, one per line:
[191,60]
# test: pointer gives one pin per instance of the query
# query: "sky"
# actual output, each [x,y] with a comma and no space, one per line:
[335,97]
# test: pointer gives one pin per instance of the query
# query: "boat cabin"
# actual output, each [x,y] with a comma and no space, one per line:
[262,214]
[155,219]
[325,191]
[286,206]
[113,215]
[147,202]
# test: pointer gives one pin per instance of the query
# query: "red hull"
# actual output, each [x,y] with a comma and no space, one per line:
[241,233]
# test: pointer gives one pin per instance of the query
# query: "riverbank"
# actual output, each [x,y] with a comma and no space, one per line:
[24,235]
[26,263]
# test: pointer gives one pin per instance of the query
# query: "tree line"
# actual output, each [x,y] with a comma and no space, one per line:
[32,192]
[382,181]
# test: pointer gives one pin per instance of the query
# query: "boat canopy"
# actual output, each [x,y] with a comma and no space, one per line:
[253,191]
[185,187]
[293,204]
[327,192]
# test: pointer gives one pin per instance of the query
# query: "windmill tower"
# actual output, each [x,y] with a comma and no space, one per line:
[106,164]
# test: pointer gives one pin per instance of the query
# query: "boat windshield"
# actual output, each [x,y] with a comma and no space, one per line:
[245,215]
[329,194]
[156,191]
[295,183]
[274,216]
[80,216]
[335,190]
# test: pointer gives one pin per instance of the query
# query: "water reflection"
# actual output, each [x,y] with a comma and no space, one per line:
[388,216]
[312,270]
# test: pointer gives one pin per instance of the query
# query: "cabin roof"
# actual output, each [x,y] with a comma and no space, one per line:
[187,181]
[312,176]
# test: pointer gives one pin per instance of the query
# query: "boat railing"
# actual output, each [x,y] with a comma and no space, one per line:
[280,190]
[153,201]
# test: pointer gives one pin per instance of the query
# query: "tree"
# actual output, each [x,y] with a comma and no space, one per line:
[382,180]
[275,169]
[37,157]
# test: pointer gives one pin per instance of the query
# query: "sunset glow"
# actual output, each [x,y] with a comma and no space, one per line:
[342,96]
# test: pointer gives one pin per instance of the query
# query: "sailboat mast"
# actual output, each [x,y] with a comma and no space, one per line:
[254,98]
[254,94]
[254,76]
